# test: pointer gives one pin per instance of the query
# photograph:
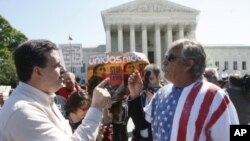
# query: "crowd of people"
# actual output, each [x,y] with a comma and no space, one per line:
[49,104]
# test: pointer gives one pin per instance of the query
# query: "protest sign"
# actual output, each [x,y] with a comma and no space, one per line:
[117,66]
[71,54]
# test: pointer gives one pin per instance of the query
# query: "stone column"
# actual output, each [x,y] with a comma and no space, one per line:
[192,32]
[157,54]
[108,38]
[165,40]
[181,31]
[170,37]
[120,38]
[132,38]
[144,40]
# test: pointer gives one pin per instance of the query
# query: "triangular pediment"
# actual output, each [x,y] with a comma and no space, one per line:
[150,6]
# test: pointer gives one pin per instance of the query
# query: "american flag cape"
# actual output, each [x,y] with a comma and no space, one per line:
[204,113]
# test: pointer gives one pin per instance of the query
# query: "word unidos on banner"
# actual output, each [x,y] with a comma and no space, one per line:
[114,59]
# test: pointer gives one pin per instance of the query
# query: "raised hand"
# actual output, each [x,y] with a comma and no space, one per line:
[101,97]
[135,84]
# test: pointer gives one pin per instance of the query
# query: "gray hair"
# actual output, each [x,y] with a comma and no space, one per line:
[192,50]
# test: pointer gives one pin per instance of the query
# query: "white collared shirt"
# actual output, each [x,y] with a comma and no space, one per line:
[30,114]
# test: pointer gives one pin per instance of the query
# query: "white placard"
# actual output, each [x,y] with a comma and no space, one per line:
[72,54]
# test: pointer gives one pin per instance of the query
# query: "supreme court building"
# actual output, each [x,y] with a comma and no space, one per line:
[148,26]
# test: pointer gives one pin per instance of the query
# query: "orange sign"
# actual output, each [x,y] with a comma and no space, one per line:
[117,66]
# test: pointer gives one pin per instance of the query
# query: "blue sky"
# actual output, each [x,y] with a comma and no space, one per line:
[219,22]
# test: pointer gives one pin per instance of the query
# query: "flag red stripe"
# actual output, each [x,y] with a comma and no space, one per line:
[182,130]
[215,116]
[203,112]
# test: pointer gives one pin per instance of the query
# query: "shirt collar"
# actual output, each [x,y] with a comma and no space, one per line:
[37,94]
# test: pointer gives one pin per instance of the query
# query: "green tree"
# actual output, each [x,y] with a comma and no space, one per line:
[10,38]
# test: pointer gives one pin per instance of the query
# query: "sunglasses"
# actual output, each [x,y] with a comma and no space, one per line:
[170,58]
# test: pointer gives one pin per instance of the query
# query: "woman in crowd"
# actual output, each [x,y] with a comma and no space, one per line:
[76,108]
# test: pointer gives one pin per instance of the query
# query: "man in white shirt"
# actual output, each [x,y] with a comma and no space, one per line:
[30,113]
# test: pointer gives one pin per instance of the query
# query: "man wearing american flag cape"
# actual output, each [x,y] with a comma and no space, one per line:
[190,108]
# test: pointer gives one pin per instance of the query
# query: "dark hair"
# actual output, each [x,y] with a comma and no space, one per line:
[76,100]
[30,54]
[236,80]
[246,84]
[96,67]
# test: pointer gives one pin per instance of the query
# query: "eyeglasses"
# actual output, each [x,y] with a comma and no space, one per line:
[170,58]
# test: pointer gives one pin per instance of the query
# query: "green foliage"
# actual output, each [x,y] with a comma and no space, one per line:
[7,72]
[10,38]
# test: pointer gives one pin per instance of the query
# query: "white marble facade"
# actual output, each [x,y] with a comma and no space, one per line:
[229,58]
[148,26]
